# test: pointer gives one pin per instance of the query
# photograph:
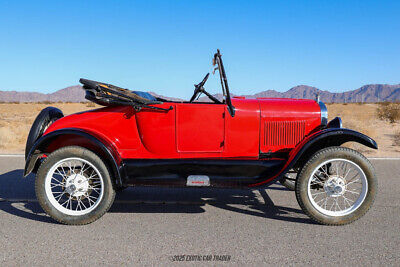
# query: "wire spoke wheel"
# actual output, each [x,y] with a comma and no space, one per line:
[337,187]
[74,186]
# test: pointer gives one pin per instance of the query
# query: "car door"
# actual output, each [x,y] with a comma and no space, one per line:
[200,127]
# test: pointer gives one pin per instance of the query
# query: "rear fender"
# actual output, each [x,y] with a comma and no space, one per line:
[43,120]
[319,140]
[68,137]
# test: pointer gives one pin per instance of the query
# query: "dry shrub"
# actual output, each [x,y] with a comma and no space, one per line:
[396,140]
[90,105]
[388,112]
[385,103]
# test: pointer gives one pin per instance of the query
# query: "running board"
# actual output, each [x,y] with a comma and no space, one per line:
[183,172]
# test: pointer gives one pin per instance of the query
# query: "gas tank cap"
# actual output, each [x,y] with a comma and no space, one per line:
[198,180]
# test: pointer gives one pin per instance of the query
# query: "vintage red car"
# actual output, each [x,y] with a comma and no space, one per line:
[81,160]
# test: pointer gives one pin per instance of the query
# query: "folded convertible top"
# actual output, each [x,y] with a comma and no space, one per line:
[110,95]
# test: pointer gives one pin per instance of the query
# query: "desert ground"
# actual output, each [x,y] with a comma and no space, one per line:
[16,120]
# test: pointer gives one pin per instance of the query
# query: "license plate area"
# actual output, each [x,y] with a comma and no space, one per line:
[198,180]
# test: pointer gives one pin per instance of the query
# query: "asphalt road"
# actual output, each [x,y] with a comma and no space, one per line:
[154,226]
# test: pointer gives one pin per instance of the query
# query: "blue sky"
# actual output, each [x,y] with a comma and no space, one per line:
[166,46]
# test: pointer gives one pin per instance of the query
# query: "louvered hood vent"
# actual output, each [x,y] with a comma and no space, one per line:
[283,133]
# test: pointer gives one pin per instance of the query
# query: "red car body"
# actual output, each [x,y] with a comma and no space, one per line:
[236,142]
[200,130]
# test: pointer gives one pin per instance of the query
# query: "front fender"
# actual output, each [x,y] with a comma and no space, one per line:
[41,147]
[317,141]
[339,136]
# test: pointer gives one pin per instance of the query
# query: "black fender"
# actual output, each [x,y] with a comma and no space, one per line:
[324,138]
[107,151]
[330,137]
[43,120]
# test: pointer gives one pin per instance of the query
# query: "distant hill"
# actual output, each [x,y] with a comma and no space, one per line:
[366,93]
[68,94]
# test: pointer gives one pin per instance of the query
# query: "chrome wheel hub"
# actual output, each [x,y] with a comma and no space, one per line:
[77,185]
[335,186]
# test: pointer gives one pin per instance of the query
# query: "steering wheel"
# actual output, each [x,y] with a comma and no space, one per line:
[198,89]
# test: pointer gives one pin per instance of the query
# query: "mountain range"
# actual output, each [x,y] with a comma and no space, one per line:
[366,93]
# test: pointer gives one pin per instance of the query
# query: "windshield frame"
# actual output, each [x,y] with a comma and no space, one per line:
[224,82]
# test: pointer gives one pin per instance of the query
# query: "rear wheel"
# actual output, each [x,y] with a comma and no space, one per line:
[336,186]
[73,186]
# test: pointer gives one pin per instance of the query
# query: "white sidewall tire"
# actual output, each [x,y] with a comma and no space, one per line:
[324,155]
[56,204]
[48,205]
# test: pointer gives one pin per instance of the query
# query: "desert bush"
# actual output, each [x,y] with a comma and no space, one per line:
[384,103]
[396,138]
[90,105]
[388,112]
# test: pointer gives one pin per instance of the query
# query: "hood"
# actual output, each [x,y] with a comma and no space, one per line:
[290,108]
[286,122]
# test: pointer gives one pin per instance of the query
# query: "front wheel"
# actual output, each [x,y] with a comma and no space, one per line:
[336,186]
[73,186]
